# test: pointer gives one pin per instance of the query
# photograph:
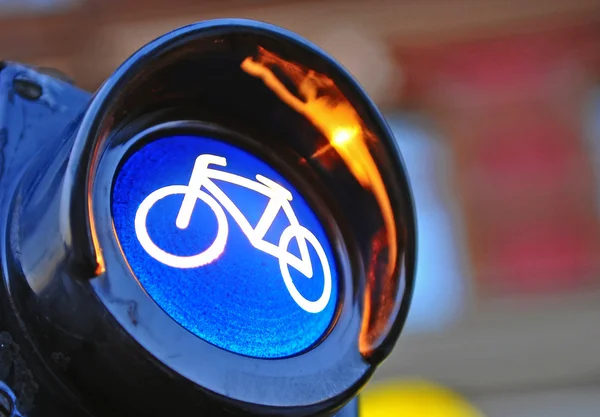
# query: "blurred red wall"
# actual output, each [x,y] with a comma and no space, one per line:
[512,108]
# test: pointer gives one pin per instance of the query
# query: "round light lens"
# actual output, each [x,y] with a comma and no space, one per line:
[225,245]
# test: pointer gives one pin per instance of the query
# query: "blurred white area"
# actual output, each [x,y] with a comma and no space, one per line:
[441,281]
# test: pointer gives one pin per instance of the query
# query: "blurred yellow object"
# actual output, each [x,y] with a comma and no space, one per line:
[414,398]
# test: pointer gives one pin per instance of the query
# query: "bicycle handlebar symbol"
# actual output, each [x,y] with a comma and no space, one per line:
[279,199]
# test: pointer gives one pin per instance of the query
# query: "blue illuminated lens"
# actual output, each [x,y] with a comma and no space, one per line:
[226,246]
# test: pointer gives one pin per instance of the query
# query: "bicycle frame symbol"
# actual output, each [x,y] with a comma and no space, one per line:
[279,199]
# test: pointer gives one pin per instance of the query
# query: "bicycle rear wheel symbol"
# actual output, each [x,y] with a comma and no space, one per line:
[218,202]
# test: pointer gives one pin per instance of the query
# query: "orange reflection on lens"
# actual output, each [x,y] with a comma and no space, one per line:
[324,105]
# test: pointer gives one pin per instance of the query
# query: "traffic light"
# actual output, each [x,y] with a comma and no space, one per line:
[224,228]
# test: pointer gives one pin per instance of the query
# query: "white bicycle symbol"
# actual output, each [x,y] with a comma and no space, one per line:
[279,199]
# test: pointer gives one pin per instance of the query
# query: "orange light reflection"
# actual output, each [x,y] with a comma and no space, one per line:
[100,266]
[335,117]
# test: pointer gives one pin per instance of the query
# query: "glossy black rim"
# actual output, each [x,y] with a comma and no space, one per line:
[197,360]
[317,378]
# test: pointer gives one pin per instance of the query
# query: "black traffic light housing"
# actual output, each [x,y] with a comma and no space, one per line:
[78,334]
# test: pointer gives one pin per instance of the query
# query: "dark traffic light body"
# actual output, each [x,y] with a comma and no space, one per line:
[224,228]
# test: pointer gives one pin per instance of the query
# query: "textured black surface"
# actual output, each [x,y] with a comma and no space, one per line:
[34,127]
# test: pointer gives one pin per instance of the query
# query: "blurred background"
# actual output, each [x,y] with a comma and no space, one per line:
[496,107]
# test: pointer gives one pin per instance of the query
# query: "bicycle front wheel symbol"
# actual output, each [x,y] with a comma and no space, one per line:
[205,257]
[299,232]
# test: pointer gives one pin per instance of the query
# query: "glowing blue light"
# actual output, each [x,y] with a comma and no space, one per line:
[226,246]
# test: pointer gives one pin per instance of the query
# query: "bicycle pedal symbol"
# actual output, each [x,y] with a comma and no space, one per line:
[201,187]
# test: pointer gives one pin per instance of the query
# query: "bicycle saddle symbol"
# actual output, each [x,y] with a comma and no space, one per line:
[202,187]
